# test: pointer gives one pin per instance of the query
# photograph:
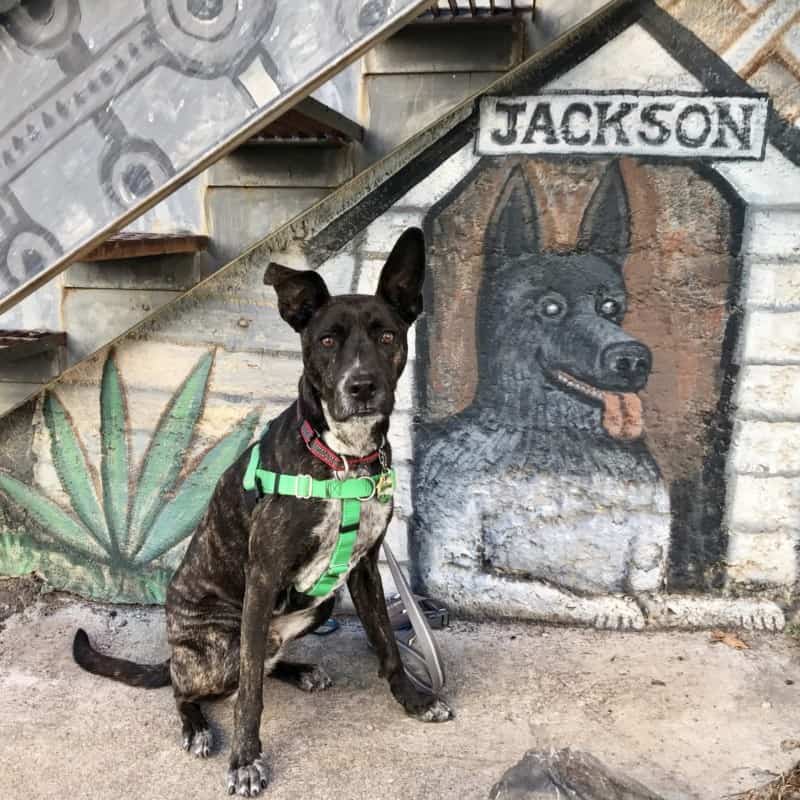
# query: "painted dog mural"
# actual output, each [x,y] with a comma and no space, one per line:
[544,483]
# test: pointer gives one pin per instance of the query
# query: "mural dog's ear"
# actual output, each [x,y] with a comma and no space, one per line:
[605,227]
[403,274]
[513,229]
[300,293]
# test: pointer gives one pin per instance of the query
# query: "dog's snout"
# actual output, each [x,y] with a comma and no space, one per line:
[628,360]
[361,387]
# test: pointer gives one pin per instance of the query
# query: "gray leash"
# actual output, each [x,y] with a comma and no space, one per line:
[429,659]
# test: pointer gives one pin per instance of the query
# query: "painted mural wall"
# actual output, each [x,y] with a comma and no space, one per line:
[590,425]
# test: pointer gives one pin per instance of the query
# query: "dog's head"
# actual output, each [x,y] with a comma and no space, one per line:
[355,346]
[559,314]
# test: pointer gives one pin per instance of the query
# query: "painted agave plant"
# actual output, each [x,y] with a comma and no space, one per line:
[107,545]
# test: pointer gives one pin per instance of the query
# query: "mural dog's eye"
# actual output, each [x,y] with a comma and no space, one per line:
[327,341]
[387,337]
[552,307]
[609,307]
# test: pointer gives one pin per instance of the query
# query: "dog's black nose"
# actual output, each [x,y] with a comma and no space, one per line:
[361,387]
[629,360]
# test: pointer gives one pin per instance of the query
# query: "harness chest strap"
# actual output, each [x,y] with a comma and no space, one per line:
[351,491]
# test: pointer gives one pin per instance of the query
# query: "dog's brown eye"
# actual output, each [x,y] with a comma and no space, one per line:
[387,337]
[609,308]
[327,341]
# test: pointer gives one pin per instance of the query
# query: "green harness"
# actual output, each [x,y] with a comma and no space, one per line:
[351,491]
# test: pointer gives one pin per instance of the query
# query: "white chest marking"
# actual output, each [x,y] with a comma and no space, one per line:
[374,520]
[353,437]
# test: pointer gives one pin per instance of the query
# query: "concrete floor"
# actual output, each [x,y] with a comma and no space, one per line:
[688,718]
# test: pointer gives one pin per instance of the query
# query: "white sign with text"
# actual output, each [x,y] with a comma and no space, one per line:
[638,123]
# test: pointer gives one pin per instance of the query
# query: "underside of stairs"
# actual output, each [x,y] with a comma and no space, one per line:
[451,51]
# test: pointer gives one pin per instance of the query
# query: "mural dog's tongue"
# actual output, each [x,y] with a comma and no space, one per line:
[622,415]
[622,411]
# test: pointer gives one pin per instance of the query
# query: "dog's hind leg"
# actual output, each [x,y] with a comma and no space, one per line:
[197,737]
[205,669]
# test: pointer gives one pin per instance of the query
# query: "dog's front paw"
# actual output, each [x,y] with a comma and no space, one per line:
[248,779]
[314,680]
[421,706]
[437,711]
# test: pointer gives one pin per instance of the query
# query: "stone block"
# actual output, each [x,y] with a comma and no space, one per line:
[397,536]
[757,505]
[768,392]
[762,558]
[774,232]
[283,166]
[171,272]
[94,317]
[695,611]
[437,48]
[380,237]
[791,41]
[400,435]
[773,285]
[746,47]
[771,337]
[766,448]
[238,217]
[402,105]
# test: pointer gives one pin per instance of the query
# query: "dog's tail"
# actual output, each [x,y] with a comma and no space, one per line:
[147,676]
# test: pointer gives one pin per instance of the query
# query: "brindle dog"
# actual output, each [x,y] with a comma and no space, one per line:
[238,596]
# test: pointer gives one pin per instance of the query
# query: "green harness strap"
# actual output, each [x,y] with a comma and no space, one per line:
[351,491]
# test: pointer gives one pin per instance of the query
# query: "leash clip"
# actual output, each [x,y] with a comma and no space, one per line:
[384,486]
[310,489]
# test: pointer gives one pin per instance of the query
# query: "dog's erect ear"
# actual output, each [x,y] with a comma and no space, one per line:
[403,274]
[513,229]
[300,293]
[605,227]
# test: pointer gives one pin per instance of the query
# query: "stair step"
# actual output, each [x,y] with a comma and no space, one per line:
[309,123]
[133,244]
[17,345]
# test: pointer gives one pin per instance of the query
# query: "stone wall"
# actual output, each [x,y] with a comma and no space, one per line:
[596,424]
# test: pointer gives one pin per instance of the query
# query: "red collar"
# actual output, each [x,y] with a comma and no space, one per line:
[320,450]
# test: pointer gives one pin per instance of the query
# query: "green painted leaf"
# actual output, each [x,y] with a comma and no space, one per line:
[72,469]
[114,460]
[180,516]
[162,462]
[18,555]
[21,554]
[55,522]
